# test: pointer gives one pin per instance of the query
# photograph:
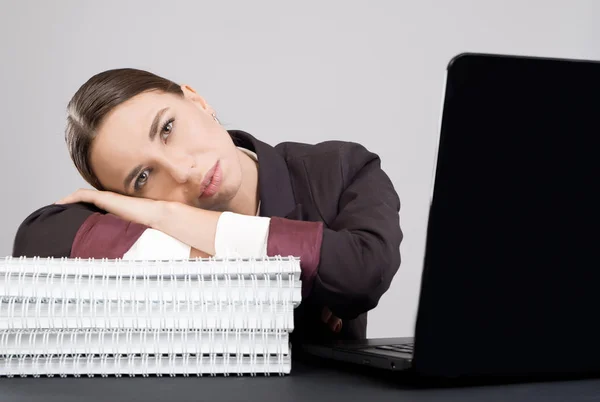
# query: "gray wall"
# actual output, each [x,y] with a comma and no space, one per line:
[366,71]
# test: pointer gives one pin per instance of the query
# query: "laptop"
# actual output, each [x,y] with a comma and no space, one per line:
[511,275]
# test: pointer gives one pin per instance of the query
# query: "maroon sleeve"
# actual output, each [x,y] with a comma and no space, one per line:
[74,230]
[105,236]
[301,239]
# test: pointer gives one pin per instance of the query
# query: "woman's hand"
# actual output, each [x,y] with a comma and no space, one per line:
[139,210]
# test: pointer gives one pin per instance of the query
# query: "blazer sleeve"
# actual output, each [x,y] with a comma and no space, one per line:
[83,231]
[350,263]
[75,230]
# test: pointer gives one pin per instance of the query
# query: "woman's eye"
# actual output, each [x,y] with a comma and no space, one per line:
[166,130]
[142,179]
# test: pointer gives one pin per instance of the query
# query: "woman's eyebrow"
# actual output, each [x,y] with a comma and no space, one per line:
[154,126]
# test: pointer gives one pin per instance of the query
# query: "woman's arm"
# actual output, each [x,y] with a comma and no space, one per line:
[213,233]
[361,247]
[206,232]
[82,230]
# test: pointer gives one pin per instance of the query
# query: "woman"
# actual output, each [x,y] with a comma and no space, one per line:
[171,182]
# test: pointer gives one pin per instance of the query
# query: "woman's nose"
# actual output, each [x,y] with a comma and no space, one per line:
[180,168]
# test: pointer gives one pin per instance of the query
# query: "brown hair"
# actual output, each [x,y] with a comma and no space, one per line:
[95,99]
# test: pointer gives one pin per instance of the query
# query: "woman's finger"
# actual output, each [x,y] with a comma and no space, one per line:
[69,199]
[81,195]
[335,324]
[325,315]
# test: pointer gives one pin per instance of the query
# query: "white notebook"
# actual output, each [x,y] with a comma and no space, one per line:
[122,317]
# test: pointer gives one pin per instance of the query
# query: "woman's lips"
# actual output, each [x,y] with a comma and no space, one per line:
[211,182]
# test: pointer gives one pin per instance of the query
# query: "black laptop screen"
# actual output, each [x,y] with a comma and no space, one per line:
[513,254]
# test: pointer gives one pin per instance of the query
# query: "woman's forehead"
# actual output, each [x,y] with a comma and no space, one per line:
[138,110]
[117,147]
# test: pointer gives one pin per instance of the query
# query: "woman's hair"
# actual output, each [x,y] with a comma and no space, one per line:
[95,99]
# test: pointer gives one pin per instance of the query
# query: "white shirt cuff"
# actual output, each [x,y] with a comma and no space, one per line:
[241,236]
[156,245]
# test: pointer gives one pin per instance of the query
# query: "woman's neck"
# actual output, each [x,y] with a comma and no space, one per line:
[246,200]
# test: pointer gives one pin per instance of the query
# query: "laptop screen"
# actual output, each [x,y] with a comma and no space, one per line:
[512,257]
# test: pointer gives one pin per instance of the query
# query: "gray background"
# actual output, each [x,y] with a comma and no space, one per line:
[365,71]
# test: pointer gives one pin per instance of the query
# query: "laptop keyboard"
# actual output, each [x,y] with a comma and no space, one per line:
[402,348]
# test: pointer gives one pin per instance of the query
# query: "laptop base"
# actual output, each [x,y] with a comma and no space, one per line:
[383,353]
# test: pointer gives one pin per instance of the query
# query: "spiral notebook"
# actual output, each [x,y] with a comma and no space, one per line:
[62,317]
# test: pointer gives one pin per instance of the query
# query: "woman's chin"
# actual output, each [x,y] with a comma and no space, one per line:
[214,203]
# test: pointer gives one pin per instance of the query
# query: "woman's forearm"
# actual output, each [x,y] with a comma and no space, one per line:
[193,226]
[215,233]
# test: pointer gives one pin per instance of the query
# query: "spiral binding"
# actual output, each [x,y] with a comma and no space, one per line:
[128,341]
[206,267]
[231,288]
[121,317]
[145,365]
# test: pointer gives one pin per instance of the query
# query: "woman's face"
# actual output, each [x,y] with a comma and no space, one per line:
[167,147]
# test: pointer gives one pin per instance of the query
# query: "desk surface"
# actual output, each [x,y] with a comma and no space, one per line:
[307,383]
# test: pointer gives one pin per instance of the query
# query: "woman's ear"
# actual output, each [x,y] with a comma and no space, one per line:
[190,94]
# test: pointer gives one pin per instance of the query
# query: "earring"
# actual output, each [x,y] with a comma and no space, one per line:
[215,117]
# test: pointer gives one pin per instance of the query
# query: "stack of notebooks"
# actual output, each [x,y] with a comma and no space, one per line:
[63,317]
